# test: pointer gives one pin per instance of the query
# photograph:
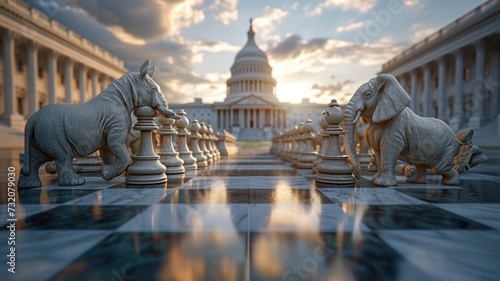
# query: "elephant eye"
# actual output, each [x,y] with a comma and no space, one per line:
[366,94]
[153,89]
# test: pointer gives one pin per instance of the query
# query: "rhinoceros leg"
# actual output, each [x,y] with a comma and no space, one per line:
[32,179]
[67,176]
[116,146]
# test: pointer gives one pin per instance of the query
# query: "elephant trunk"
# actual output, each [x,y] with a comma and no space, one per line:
[352,113]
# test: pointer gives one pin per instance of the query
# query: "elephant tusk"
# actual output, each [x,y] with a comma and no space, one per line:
[358,114]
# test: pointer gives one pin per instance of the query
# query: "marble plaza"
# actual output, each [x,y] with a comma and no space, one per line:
[252,216]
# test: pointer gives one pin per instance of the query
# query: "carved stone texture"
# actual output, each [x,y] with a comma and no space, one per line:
[396,132]
[324,143]
[184,152]
[334,168]
[201,159]
[308,153]
[168,156]
[203,143]
[146,168]
[66,131]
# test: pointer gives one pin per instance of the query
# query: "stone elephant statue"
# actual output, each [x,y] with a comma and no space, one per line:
[396,132]
[61,132]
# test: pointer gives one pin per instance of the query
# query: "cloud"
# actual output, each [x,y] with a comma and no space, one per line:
[225,11]
[133,21]
[411,3]
[350,26]
[362,6]
[331,90]
[265,24]
[419,32]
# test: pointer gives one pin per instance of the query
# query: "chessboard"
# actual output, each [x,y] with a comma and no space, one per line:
[252,216]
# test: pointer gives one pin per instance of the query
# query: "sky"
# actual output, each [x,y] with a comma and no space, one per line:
[318,49]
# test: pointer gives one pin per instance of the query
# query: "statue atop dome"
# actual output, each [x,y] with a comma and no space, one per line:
[251,34]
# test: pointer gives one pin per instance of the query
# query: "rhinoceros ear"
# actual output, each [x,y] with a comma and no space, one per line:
[151,71]
[144,68]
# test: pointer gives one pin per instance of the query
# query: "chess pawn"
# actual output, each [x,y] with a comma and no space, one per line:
[300,144]
[324,143]
[203,143]
[212,146]
[89,165]
[372,166]
[182,133]
[287,146]
[168,156]
[334,168]
[201,160]
[308,153]
[146,168]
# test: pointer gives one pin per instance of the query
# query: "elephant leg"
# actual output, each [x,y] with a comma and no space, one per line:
[106,155]
[120,152]
[377,159]
[32,180]
[420,174]
[389,153]
[67,175]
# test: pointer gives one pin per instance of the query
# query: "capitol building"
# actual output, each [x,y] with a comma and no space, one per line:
[251,110]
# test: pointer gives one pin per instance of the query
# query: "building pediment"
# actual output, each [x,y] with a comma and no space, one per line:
[251,100]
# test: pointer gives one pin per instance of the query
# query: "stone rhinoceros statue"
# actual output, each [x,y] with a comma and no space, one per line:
[61,132]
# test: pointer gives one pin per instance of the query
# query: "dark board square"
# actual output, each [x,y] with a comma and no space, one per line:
[287,196]
[161,256]
[47,196]
[471,192]
[80,217]
[326,256]
[416,217]
[207,196]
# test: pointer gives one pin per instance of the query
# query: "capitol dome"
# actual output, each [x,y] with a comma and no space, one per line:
[251,73]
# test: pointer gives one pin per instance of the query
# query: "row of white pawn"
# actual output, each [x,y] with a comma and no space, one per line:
[298,145]
[196,147]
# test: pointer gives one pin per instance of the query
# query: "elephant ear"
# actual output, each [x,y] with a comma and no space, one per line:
[144,68]
[151,71]
[392,98]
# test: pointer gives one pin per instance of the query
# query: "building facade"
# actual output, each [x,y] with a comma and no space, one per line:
[251,110]
[43,62]
[454,74]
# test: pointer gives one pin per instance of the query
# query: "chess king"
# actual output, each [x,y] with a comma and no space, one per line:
[61,132]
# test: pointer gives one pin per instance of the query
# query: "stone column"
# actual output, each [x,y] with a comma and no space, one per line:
[231,118]
[32,76]
[52,70]
[441,98]
[94,83]
[82,80]
[68,80]
[254,117]
[241,119]
[9,72]
[271,116]
[262,118]
[104,82]
[426,91]
[477,118]
[457,120]
[248,118]
[413,91]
